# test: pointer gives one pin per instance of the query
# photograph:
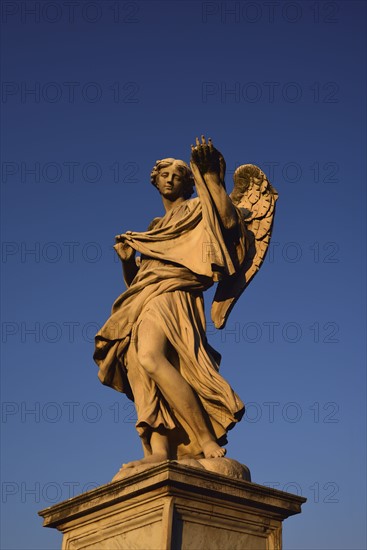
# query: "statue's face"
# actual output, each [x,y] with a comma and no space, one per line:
[171,182]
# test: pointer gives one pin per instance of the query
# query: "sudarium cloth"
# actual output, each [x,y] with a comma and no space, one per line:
[180,258]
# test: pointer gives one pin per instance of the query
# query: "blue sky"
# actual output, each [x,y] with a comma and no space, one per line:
[93,93]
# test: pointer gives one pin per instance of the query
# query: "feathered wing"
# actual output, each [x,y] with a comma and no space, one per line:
[255,198]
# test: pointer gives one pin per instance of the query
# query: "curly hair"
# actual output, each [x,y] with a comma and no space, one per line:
[182,167]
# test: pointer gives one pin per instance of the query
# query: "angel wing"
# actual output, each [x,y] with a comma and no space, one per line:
[255,198]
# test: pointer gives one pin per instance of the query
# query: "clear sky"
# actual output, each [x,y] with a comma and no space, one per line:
[93,93]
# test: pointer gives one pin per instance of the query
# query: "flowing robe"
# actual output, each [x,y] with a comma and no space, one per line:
[185,252]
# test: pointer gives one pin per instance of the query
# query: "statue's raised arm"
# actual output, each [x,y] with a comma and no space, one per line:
[208,163]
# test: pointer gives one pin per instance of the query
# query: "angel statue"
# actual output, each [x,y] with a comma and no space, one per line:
[154,347]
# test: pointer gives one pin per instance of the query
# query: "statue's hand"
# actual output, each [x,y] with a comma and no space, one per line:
[207,158]
[123,249]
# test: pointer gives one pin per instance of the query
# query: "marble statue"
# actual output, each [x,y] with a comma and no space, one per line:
[154,347]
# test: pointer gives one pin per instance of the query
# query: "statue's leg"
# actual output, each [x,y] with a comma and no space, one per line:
[160,450]
[153,350]
[146,398]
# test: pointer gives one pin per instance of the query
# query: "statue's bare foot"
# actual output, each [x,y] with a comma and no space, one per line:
[151,459]
[213,450]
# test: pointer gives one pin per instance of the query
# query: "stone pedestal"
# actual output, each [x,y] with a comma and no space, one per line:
[174,507]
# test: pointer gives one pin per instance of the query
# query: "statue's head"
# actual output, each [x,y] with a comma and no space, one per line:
[181,167]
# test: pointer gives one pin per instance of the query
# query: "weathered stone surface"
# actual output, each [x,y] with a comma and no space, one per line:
[223,466]
[174,507]
[227,467]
